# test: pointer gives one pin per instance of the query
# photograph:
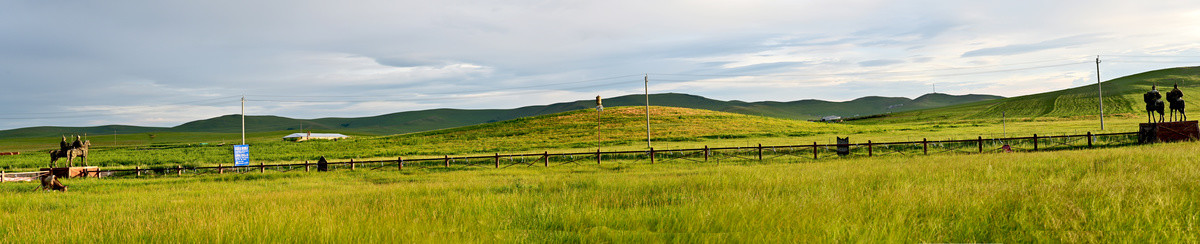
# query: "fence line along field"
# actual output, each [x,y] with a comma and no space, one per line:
[695,155]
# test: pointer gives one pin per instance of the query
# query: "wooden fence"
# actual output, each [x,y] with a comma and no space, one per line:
[760,152]
[21,176]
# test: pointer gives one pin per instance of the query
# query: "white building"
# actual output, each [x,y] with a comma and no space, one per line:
[313,136]
[831,118]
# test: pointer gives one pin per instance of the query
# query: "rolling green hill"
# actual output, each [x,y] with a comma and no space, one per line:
[1121,96]
[434,119]
[53,131]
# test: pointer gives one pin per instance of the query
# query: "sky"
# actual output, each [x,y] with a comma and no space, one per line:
[164,63]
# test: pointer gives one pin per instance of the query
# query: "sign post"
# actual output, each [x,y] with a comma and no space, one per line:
[241,155]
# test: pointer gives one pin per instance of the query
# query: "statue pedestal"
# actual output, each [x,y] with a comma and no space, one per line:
[72,172]
[1168,131]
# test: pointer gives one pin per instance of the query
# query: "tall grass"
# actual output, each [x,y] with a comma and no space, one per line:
[1130,194]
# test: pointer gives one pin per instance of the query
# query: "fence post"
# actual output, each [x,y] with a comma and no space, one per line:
[306,166]
[262,168]
[447,160]
[497,160]
[980,144]
[1089,135]
[545,158]
[399,163]
[760,152]
[814,150]
[597,156]
[178,170]
[869,151]
[925,145]
[705,153]
[651,155]
[1035,146]
[220,169]
[351,164]
[2,174]
[138,169]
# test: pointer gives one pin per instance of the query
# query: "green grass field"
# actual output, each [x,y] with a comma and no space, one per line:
[1130,194]
[623,128]
[1143,193]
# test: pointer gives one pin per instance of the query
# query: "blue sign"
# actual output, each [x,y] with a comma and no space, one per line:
[241,155]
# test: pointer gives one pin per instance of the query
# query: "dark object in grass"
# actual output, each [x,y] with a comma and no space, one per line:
[51,183]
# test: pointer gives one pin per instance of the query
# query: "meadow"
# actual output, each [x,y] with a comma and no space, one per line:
[622,128]
[1129,194]
[1140,193]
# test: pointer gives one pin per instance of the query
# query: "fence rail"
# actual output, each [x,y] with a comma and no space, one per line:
[813,151]
[21,176]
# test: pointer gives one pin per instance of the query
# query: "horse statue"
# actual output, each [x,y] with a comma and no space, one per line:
[1175,96]
[55,155]
[70,151]
[1154,103]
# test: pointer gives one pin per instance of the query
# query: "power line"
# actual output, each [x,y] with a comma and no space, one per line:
[468,96]
[898,77]
[457,92]
[879,72]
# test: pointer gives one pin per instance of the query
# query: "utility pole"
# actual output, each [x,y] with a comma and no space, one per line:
[599,107]
[1100,92]
[243,119]
[647,79]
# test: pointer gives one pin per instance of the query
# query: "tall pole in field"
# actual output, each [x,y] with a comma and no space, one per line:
[1100,91]
[647,79]
[599,107]
[243,120]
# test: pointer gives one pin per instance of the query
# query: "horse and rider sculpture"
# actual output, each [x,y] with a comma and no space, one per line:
[1155,104]
[79,149]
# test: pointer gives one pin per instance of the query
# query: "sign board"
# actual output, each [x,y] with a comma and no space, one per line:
[843,147]
[241,155]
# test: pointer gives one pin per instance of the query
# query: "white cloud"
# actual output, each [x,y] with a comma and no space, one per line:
[388,56]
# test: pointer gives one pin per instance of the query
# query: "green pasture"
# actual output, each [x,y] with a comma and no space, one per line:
[1128,194]
[621,128]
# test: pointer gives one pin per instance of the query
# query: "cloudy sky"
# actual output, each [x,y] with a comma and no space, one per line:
[163,63]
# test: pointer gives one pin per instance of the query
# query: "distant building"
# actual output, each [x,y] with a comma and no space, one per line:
[831,118]
[313,136]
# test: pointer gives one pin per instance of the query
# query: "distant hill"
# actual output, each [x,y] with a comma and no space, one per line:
[54,131]
[1121,96]
[426,120]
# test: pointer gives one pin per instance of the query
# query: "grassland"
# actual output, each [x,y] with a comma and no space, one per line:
[622,128]
[1142,193]
[1107,195]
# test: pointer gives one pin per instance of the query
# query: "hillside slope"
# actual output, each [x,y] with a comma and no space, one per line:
[1121,96]
[426,120]
[620,126]
[52,131]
